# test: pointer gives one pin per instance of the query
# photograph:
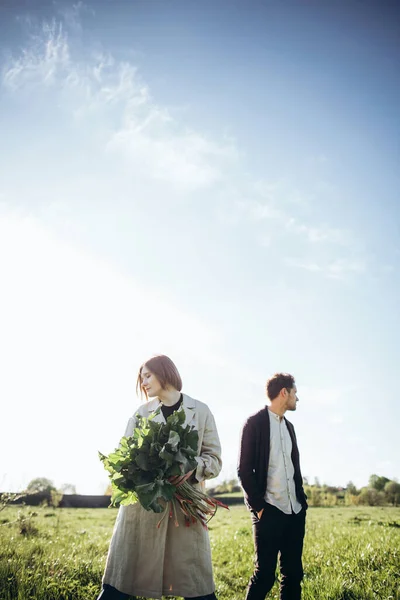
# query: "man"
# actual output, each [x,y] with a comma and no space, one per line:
[269,471]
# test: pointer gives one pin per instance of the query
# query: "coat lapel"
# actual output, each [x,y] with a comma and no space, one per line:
[266,438]
[188,405]
[154,406]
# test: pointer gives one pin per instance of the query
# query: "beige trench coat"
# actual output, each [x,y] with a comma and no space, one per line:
[176,561]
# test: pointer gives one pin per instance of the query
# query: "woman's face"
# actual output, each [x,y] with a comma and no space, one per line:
[150,383]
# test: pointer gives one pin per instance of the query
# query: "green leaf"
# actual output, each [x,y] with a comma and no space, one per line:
[173,439]
[139,469]
[167,456]
[181,416]
[192,440]
[155,414]
[174,469]
[130,498]
[142,461]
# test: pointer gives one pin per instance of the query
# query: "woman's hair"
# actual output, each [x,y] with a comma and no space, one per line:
[277,382]
[164,369]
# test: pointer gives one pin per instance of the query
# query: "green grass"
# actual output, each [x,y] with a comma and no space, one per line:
[350,553]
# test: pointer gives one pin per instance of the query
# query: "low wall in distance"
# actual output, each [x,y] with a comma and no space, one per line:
[83,501]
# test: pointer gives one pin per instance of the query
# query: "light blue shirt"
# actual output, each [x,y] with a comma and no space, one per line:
[281,490]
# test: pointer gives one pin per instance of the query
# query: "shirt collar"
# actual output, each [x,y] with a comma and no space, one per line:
[275,416]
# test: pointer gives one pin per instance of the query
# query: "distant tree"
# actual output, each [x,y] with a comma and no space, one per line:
[351,488]
[68,488]
[225,487]
[392,491]
[372,497]
[40,484]
[330,499]
[330,489]
[351,499]
[233,486]
[315,496]
[317,482]
[378,482]
[55,498]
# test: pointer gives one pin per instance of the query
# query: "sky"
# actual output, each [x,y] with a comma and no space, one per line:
[218,182]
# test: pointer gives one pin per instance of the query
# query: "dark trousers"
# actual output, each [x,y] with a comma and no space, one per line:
[110,593]
[277,533]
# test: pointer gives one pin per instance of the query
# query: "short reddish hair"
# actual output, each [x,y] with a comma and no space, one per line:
[164,369]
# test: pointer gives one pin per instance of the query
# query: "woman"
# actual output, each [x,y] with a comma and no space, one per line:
[175,561]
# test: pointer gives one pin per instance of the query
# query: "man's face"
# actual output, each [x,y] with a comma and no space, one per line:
[291,398]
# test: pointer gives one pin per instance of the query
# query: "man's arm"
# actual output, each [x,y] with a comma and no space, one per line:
[246,467]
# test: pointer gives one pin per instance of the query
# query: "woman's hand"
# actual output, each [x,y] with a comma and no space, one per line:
[179,479]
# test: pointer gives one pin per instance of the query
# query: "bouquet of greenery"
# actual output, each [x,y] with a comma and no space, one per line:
[141,468]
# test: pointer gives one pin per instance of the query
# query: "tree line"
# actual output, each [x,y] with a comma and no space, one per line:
[380,491]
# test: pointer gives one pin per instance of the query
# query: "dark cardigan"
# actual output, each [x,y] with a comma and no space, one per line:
[254,460]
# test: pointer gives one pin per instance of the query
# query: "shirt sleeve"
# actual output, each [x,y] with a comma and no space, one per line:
[130,426]
[209,462]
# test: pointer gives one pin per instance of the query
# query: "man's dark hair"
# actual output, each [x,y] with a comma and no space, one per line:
[278,382]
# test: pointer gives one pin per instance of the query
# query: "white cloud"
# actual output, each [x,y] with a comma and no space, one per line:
[145,135]
[319,234]
[187,160]
[282,194]
[306,265]
[270,207]
[337,269]
[150,143]
[42,61]
[72,15]
[345,266]
[265,201]
[255,210]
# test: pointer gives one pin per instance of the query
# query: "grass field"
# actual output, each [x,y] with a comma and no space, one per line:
[350,553]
